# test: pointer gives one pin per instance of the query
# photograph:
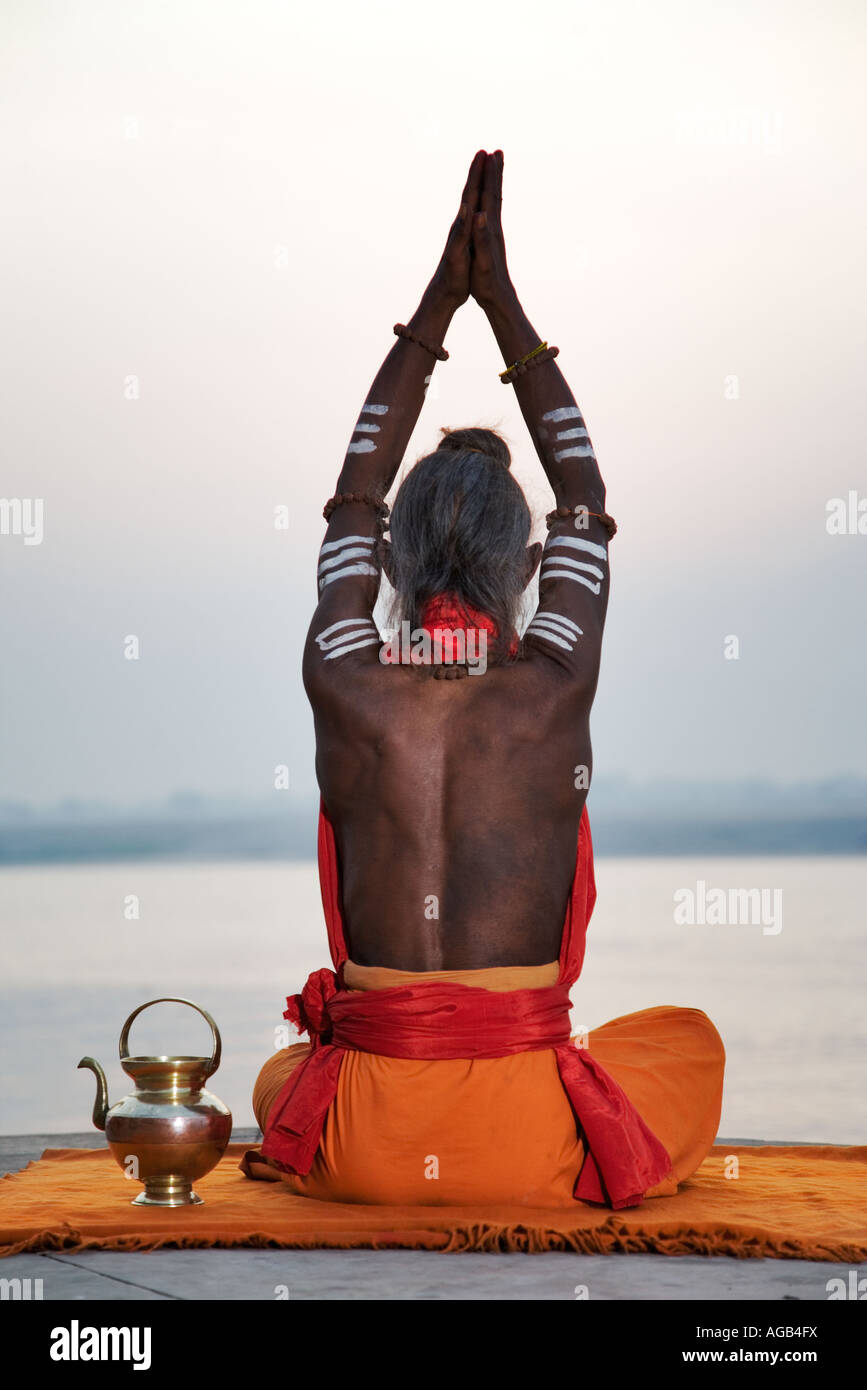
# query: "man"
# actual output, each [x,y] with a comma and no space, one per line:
[455,852]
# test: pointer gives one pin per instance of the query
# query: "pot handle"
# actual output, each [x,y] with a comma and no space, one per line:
[123,1046]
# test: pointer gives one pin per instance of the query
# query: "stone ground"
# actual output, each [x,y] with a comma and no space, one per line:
[395,1274]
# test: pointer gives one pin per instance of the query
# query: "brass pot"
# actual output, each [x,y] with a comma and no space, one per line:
[170,1131]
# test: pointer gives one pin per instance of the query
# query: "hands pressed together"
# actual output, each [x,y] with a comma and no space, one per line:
[474,260]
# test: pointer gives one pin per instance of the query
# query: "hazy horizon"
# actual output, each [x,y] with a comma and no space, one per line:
[233,207]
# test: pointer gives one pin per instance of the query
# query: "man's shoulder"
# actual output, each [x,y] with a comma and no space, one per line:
[358,670]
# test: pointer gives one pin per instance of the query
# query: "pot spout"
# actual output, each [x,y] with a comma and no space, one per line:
[100,1105]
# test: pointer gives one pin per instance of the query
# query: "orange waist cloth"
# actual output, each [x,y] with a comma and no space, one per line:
[498,977]
[477,1132]
[441,1132]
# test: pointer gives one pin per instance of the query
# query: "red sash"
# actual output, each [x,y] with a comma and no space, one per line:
[439,1020]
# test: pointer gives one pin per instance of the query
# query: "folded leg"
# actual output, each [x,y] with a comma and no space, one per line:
[269,1083]
[670,1063]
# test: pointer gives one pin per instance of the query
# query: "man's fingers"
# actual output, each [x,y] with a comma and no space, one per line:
[463,225]
[492,188]
[470,195]
[462,228]
[479,212]
[496,187]
[485,193]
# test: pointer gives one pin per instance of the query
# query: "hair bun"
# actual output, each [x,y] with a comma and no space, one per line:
[478,440]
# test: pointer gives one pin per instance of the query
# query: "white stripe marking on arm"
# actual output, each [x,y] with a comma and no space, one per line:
[347,573]
[360,554]
[574,543]
[564,412]
[567,574]
[559,624]
[350,647]
[326,639]
[574,565]
[579,451]
[347,540]
[549,637]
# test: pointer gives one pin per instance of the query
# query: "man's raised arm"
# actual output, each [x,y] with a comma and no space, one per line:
[555,423]
[348,568]
[393,403]
[573,584]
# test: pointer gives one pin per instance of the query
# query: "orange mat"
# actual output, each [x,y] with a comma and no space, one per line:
[787,1203]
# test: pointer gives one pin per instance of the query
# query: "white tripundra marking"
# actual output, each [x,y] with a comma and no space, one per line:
[555,565]
[374,409]
[361,446]
[362,633]
[326,638]
[550,571]
[546,636]
[572,434]
[346,540]
[358,553]
[571,564]
[543,615]
[352,647]
[541,625]
[564,412]
[363,427]
[574,543]
[557,620]
[347,548]
[578,451]
[555,628]
[346,573]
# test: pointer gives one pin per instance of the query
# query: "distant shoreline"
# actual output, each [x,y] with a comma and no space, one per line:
[293,838]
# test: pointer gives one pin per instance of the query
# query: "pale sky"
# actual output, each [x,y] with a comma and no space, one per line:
[234,203]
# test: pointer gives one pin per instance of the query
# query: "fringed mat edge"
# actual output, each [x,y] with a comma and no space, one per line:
[612,1238]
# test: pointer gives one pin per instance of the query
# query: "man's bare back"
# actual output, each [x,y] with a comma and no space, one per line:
[455,810]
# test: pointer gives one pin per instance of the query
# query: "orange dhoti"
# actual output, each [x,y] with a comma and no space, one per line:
[455,1132]
[401,1100]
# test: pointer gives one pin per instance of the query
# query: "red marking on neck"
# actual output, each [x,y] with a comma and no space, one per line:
[450,613]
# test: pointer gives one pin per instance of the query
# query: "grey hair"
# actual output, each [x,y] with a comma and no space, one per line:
[460,524]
